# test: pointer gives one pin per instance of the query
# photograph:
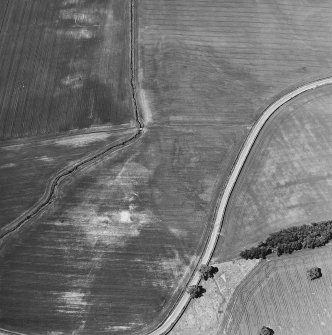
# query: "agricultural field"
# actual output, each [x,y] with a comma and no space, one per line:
[222,62]
[286,179]
[112,251]
[26,166]
[115,250]
[279,295]
[284,182]
[204,315]
[64,65]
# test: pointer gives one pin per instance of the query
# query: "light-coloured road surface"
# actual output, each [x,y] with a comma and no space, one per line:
[173,317]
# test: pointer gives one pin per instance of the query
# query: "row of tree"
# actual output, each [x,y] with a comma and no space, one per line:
[291,239]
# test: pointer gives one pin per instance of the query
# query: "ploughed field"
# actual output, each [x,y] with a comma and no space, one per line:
[117,247]
[64,65]
[279,295]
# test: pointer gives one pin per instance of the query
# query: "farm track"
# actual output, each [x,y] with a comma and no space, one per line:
[50,193]
[206,256]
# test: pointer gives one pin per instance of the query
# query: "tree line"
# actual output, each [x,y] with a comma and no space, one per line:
[291,239]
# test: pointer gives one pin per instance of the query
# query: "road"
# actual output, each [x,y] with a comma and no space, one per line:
[173,317]
[205,258]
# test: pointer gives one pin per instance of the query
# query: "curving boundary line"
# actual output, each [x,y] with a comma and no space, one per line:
[183,302]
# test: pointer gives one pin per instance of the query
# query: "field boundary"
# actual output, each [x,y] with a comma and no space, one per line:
[54,183]
[180,307]
[42,205]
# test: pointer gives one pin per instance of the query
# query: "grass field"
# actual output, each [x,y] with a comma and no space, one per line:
[115,250]
[286,180]
[27,165]
[64,65]
[279,295]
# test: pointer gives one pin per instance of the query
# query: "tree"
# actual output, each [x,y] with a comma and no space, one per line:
[246,254]
[264,251]
[314,273]
[280,250]
[195,291]
[207,271]
[291,239]
[266,331]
